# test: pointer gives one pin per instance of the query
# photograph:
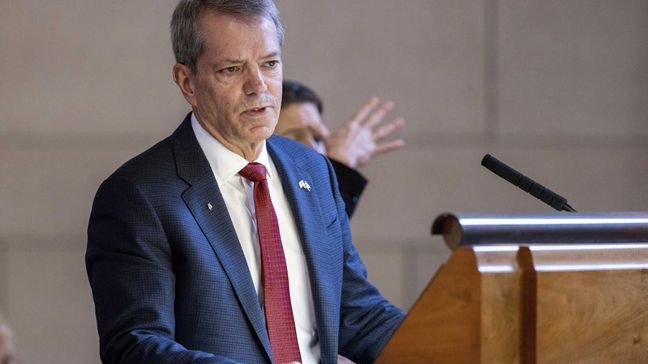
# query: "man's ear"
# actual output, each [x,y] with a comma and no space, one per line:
[182,76]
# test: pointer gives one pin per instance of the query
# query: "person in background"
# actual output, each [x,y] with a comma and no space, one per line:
[7,349]
[349,147]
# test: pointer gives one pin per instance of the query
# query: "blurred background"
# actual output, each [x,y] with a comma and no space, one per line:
[557,89]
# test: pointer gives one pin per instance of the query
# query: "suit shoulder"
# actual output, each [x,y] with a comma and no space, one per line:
[152,163]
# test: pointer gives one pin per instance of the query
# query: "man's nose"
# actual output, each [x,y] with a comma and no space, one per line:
[255,82]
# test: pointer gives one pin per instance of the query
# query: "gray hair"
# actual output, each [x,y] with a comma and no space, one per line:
[188,43]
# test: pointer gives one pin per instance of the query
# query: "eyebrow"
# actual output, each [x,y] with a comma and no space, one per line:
[240,61]
[272,55]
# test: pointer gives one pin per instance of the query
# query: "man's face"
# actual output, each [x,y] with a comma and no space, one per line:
[303,123]
[237,86]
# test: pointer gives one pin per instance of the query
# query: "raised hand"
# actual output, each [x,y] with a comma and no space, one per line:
[360,139]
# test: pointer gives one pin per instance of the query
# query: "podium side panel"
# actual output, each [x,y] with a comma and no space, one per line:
[443,326]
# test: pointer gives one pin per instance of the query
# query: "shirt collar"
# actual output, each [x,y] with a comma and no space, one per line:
[224,163]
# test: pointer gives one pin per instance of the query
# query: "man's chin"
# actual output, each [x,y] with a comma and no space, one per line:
[262,130]
[259,134]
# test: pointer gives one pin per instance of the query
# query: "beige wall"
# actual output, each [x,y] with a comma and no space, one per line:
[558,89]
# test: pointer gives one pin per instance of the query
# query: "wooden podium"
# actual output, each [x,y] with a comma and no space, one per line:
[554,288]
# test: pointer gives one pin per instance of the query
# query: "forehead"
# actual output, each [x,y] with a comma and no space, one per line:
[300,114]
[230,36]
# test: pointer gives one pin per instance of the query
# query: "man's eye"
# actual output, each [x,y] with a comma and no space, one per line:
[232,69]
[302,136]
[272,64]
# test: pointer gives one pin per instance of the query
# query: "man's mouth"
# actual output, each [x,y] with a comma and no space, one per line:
[256,111]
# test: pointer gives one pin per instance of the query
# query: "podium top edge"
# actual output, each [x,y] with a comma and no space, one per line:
[488,228]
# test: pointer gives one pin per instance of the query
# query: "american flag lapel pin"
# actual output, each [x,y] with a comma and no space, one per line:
[304,185]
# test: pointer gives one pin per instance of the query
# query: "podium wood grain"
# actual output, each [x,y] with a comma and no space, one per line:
[518,304]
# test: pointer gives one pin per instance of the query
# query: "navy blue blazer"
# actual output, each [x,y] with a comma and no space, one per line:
[170,281]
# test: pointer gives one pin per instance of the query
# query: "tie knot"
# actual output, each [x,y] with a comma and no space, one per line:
[254,172]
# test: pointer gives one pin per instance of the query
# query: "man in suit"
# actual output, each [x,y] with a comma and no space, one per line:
[222,244]
[352,145]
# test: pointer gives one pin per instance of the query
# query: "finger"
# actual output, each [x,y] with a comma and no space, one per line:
[387,129]
[319,130]
[388,147]
[379,114]
[364,110]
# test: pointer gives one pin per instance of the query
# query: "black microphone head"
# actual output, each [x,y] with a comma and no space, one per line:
[486,159]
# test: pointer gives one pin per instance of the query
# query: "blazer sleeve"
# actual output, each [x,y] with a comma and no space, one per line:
[351,184]
[367,319]
[129,265]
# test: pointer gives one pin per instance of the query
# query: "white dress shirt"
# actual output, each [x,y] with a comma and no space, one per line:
[239,199]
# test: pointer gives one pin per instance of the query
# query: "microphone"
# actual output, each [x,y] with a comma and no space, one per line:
[526,184]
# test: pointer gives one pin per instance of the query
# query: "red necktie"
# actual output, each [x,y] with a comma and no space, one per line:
[278,310]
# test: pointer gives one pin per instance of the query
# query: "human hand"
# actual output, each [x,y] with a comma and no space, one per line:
[344,360]
[360,139]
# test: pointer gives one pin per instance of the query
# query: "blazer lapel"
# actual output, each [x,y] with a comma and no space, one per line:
[216,224]
[323,260]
